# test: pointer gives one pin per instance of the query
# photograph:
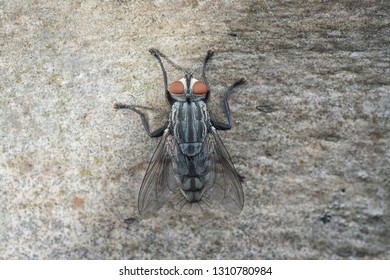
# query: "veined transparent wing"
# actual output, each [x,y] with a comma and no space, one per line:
[226,186]
[159,179]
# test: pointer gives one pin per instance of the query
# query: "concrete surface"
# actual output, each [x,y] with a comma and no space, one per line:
[311,127]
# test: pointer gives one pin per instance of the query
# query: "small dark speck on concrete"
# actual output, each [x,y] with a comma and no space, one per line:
[130,221]
[332,138]
[344,252]
[361,254]
[233,34]
[265,108]
[326,218]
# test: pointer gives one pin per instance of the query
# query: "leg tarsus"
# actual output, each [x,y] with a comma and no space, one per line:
[226,108]
[157,133]
[237,83]
[157,55]
[209,55]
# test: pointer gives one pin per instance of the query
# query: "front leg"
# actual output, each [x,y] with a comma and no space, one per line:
[158,56]
[226,108]
[209,55]
[157,133]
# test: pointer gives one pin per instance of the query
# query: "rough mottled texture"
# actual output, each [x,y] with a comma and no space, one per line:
[311,127]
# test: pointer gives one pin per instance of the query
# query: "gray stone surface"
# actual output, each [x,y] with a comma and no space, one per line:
[311,127]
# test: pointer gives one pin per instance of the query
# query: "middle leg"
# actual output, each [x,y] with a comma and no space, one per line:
[157,133]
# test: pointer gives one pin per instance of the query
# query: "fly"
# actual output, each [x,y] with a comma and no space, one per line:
[190,160]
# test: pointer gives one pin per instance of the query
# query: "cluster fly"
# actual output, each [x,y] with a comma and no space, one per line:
[190,160]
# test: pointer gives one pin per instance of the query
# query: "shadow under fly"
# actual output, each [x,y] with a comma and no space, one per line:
[190,162]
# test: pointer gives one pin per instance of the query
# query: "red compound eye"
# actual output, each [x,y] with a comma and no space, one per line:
[176,87]
[199,88]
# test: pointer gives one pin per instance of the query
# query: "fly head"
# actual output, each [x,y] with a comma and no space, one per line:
[188,88]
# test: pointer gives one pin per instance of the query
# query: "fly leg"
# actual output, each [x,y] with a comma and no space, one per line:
[226,108]
[158,56]
[157,133]
[209,55]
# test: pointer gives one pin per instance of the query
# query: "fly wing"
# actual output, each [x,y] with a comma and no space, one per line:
[226,185]
[159,180]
